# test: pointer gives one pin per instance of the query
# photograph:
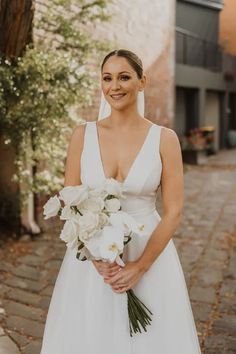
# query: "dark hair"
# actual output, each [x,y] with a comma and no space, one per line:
[131,57]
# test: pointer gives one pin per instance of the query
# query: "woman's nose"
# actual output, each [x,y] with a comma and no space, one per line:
[115,84]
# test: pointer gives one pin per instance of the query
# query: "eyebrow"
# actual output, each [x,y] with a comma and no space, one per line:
[120,72]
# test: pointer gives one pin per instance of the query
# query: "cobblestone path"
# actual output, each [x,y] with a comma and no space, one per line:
[205,241]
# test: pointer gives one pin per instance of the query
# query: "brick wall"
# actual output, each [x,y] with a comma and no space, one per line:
[228,27]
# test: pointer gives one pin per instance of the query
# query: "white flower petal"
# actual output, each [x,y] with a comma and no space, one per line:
[74,195]
[52,207]
[88,221]
[113,187]
[119,261]
[69,233]
[112,205]
[67,213]
[93,204]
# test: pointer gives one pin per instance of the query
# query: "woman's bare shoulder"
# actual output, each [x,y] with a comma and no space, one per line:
[75,147]
[168,134]
[79,130]
[169,141]
[77,135]
[168,137]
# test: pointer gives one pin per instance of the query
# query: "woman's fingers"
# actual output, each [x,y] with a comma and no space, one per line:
[106,269]
[105,273]
[114,279]
[107,265]
[110,273]
[112,266]
[120,289]
[101,270]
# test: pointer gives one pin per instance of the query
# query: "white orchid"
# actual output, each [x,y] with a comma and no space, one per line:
[93,204]
[97,192]
[52,207]
[103,220]
[67,213]
[84,236]
[112,205]
[126,222]
[107,244]
[74,195]
[113,187]
[88,223]
[70,233]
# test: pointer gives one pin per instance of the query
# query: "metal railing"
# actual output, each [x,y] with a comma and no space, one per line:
[195,51]
[215,4]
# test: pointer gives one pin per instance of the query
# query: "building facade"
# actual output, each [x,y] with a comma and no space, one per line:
[205,73]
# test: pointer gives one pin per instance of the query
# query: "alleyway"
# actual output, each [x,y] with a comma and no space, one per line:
[206,244]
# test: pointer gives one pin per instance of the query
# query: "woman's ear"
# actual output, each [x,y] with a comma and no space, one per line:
[143,81]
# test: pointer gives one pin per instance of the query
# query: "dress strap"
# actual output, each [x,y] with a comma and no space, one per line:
[88,138]
[88,155]
[155,140]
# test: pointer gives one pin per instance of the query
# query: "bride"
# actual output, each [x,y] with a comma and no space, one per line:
[88,309]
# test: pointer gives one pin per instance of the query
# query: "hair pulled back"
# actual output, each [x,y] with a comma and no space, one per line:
[131,57]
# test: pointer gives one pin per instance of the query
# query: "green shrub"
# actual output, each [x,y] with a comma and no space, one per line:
[40,91]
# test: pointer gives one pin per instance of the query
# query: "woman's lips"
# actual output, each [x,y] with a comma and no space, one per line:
[118,96]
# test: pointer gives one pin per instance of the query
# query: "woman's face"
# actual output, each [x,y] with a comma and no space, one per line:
[120,83]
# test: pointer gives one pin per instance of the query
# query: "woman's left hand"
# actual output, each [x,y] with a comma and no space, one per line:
[126,278]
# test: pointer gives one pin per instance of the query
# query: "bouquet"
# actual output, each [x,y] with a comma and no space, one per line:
[98,229]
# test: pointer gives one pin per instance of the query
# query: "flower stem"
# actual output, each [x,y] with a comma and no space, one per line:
[138,313]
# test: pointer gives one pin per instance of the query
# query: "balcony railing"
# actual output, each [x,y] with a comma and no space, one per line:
[215,4]
[195,51]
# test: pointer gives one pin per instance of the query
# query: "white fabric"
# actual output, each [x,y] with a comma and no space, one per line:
[85,315]
[105,108]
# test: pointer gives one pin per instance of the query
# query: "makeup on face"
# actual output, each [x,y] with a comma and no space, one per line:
[119,80]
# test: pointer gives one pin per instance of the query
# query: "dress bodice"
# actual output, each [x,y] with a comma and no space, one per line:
[144,175]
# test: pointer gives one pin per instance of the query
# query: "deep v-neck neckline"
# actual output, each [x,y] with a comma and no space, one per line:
[133,162]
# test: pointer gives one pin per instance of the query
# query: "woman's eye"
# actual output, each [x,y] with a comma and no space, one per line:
[124,77]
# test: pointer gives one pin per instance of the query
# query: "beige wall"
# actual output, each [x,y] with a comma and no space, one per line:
[228,27]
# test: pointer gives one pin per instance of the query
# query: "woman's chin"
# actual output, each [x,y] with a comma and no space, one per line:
[119,107]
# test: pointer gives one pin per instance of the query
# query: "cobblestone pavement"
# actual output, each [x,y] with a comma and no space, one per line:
[205,241]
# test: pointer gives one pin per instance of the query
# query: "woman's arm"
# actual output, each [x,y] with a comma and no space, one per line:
[172,191]
[172,195]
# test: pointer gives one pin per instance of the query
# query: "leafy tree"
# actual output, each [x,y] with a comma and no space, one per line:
[41,91]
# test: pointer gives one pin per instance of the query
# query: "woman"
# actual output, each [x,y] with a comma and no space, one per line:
[88,310]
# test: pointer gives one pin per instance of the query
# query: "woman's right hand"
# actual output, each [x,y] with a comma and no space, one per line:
[106,269]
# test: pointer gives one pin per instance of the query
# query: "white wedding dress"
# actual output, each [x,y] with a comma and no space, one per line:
[85,315]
